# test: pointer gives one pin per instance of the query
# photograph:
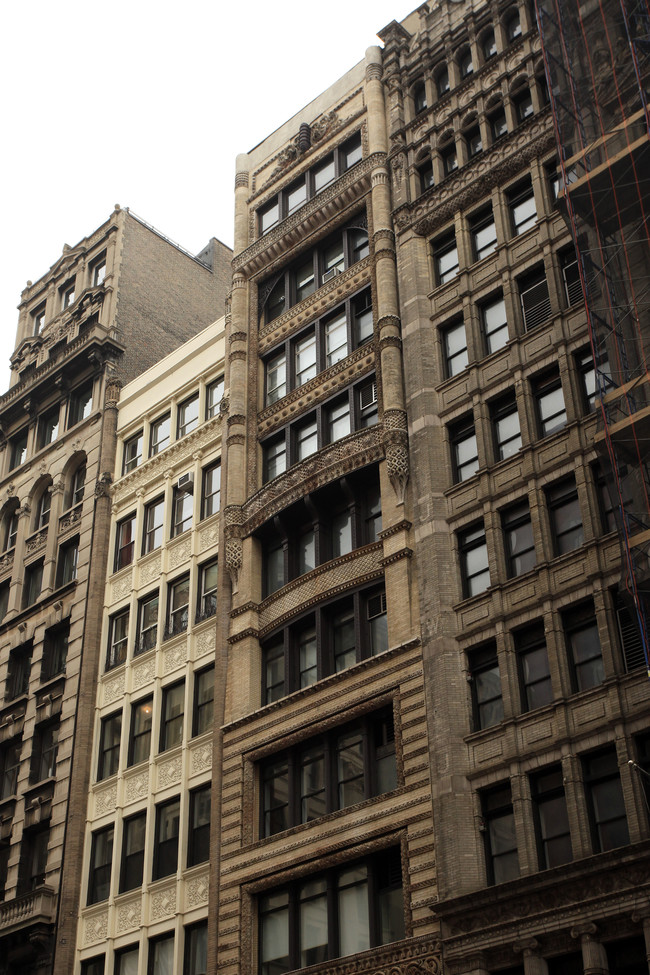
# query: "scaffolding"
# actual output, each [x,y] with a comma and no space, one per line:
[597,61]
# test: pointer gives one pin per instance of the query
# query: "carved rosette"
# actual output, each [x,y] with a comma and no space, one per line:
[397,452]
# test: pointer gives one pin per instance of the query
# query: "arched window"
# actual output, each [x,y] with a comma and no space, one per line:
[513,25]
[472,135]
[488,44]
[442,81]
[465,63]
[10,525]
[43,506]
[419,97]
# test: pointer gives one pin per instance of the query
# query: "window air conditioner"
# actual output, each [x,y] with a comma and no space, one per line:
[333,271]
[186,483]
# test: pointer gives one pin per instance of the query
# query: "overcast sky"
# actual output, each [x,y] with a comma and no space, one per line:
[147,105]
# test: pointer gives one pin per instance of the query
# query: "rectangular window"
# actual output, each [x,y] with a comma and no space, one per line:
[523,104]
[48,427]
[534,673]
[346,910]
[571,277]
[166,840]
[276,378]
[187,416]
[523,212]
[306,439]
[110,736]
[495,324]
[101,861]
[362,320]
[605,801]
[159,435]
[98,272]
[464,449]
[126,961]
[518,539]
[38,320]
[594,382]
[498,125]
[66,570]
[336,338]
[501,856]
[93,966]
[203,701]
[208,577]
[4,599]
[182,512]
[81,404]
[18,670]
[161,955]
[551,818]
[18,450]
[178,606]
[485,683]
[445,255]
[484,234]
[196,949]
[33,583]
[475,571]
[78,486]
[198,841]
[132,453]
[9,768]
[43,509]
[147,623]
[133,845]
[304,359]
[564,513]
[583,643]
[153,525]
[534,297]
[213,397]
[67,294]
[140,737]
[32,868]
[345,766]
[455,349]
[55,651]
[551,411]
[425,175]
[449,159]
[173,710]
[125,542]
[275,458]
[338,420]
[629,633]
[211,490]
[118,636]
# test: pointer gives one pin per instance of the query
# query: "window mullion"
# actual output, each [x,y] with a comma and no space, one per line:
[331,774]
[323,649]
[369,759]
[333,939]
[293,776]
[294,927]
[362,645]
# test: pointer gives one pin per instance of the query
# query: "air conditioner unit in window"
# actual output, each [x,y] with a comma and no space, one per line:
[333,271]
[185,483]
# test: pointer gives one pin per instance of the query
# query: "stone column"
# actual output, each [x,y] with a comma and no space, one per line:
[51,547]
[594,956]
[18,572]
[534,964]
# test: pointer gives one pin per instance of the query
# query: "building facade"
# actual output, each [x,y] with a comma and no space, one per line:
[103,312]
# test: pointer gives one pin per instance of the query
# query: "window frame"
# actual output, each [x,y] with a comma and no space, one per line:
[100,865]
[493,334]
[132,862]
[478,224]
[472,539]
[208,493]
[80,404]
[182,512]
[185,425]
[118,640]
[172,715]
[207,595]
[48,427]
[137,735]
[549,801]
[203,704]
[594,778]
[55,650]
[18,449]
[125,536]
[498,814]
[535,683]
[178,616]
[485,685]
[132,452]
[561,500]
[108,759]
[456,359]
[213,395]
[166,851]
[160,434]
[445,247]
[67,562]
[153,529]
[516,518]
[198,832]
[579,620]
[463,432]
[544,387]
[147,631]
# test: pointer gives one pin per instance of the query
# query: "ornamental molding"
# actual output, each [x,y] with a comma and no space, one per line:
[137,786]
[404,553]
[401,526]
[201,758]
[174,657]
[389,342]
[206,642]
[170,773]
[96,928]
[129,915]
[113,689]
[143,673]
[106,801]
[162,903]
[196,890]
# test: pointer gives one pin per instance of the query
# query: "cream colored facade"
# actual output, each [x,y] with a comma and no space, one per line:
[152,669]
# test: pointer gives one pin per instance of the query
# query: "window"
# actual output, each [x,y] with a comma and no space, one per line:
[133,842]
[551,411]
[32,868]
[513,26]
[9,768]
[207,590]
[110,735]
[18,670]
[583,644]
[334,636]
[487,701]
[124,542]
[159,435]
[67,294]
[571,277]
[173,710]
[475,571]
[276,378]
[98,272]
[489,45]
[594,381]
[445,255]
[66,570]
[10,529]
[140,737]
[93,966]
[608,507]
[81,404]
[275,458]
[335,770]
[564,512]
[153,525]
[161,955]
[345,910]
[18,450]
[178,606]
[196,949]
[419,97]
[523,104]
[32,584]
[484,234]
[43,509]
[203,701]
[38,319]
[532,661]
[425,175]
[464,449]
[465,63]
[629,634]
[211,493]
[48,427]
[455,349]
[605,801]
[166,842]
[55,651]
[534,297]
[442,82]
[449,159]
[307,186]
[518,538]
[498,123]
[523,213]
[198,843]
[182,512]
[213,397]
[188,416]
[78,486]
[118,635]
[4,599]
[101,861]
[126,961]
[501,857]
[495,324]
[474,141]
[132,455]
[147,623]
[551,818]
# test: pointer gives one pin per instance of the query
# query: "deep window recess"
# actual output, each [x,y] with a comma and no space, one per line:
[523,213]
[153,525]
[101,861]
[213,397]
[178,606]
[55,651]
[207,602]
[442,82]
[10,529]
[18,450]
[198,841]
[18,671]
[109,746]
[583,644]
[534,297]
[118,636]
[549,398]
[32,866]
[81,404]
[445,255]
[454,341]
[349,909]
[551,818]
[449,159]
[475,571]
[133,845]
[98,271]
[532,661]
[425,175]
[148,609]
[326,641]
[187,416]
[140,736]
[9,768]
[523,104]
[498,123]
[495,324]
[419,97]
[173,710]
[335,770]
[38,320]
[48,427]
[605,801]
[78,486]
[33,583]
[485,683]
[182,512]
[66,294]
[484,234]
[513,27]
[322,345]
[211,490]
[518,538]
[309,184]
[465,63]
[501,856]
[159,435]
[591,379]
[564,512]
[489,45]
[571,277]
[166,841]
[203,701]
[464,449]
[124,542]
[43,509]
[196,949]
[132,453]
[474,141]
[68,561]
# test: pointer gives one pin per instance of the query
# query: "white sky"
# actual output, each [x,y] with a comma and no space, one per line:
[147,104]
